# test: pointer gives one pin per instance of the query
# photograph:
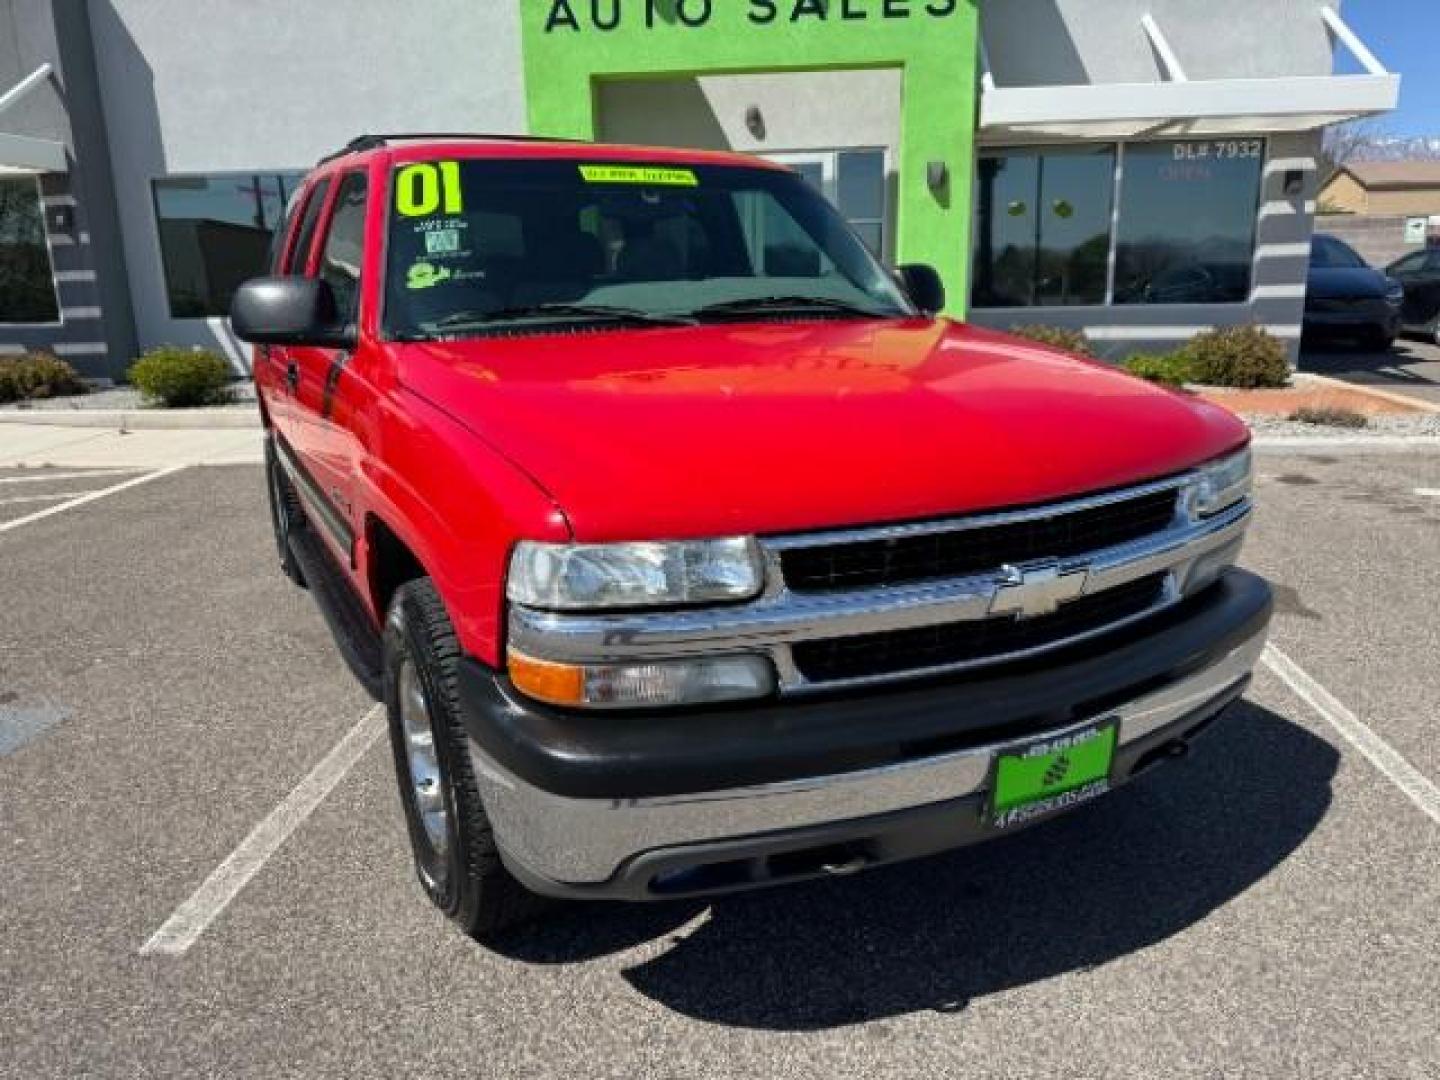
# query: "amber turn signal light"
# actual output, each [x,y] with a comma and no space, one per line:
[545,680]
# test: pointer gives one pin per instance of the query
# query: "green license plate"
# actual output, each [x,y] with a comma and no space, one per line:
[1051,774]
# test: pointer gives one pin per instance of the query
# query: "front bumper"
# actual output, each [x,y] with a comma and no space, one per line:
[683,803]
[1376,315]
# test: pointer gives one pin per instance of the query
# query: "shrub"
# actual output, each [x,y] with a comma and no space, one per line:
[1168,369]
[37,375]
[1330,416]
[1071,341]
[182,378]
[1243,356]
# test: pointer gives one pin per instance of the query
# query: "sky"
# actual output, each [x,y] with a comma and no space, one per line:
[1405,36]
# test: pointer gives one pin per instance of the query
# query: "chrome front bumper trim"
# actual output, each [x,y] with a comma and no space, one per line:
[584,841]
[781,618]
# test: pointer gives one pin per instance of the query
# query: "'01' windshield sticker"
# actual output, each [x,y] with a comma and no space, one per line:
[429,187]
[649,175]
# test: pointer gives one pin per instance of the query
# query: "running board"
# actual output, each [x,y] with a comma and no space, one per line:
[349,622]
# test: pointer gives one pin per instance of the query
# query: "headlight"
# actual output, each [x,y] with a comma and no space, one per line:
[1221,483]
[642,684]
[570,577]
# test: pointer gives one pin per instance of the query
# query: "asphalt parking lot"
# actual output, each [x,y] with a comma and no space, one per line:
[1269,907]
[1411,366]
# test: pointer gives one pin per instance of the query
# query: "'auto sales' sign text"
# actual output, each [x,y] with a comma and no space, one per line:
[606,15]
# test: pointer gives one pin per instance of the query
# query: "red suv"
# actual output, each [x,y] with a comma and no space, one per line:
[691,551]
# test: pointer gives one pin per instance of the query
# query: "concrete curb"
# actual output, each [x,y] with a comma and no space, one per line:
[1374,391]
[136,419]
[1347,442]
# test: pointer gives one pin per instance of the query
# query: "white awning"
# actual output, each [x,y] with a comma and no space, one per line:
[22,153]
[1181,107]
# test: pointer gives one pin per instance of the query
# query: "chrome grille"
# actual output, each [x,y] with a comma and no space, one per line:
[930,556]
[970,592]
[869,655]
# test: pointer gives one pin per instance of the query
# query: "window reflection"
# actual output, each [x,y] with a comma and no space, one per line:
[215,232]
[27,285]
[1043,234]
[1187,221]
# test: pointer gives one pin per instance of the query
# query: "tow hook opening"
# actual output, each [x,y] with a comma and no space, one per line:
[829,860]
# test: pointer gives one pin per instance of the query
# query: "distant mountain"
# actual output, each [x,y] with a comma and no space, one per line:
[1398,148]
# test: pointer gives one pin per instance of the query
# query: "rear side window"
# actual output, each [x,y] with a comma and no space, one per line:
[344,246]
[1328,253]
[298,256]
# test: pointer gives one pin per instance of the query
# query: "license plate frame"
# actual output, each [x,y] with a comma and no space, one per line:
[1014,796]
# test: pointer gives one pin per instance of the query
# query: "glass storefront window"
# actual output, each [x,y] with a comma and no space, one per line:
[1187,221]
[854,182]
[1043,227]
[27,283]
[215,232]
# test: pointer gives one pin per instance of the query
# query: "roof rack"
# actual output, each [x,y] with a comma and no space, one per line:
[370,142]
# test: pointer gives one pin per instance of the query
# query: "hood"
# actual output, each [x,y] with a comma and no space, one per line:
[764,428]
[1346,283]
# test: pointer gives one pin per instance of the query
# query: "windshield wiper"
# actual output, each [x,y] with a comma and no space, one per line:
[559,313]
[763,304]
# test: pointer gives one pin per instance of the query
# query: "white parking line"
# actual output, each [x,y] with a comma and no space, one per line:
[87,498]
[183,928]
[44,477]
[1382,755]
[1433,493]
[54,496]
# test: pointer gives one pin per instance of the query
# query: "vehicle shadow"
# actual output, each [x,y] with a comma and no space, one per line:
[1407,364]
[1124,873]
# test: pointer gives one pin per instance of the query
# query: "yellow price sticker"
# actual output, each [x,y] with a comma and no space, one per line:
[652,175]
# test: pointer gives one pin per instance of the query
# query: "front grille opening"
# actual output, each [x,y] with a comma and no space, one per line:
[896,651]
[930,556]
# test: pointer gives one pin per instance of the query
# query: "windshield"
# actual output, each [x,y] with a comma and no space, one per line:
[480,246]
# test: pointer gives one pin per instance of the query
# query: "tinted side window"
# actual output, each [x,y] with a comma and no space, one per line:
[297,258]
[1410,264]
[344,246]
[1328,253]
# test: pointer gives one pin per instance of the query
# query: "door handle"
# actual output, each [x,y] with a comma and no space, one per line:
[292,376]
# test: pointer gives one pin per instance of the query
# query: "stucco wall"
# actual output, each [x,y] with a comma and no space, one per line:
[1344,193]
[213,85]
[1412,201]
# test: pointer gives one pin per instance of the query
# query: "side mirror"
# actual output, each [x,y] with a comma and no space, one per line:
[924,287]
[289,311]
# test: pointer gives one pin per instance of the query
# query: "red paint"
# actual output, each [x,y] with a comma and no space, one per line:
[461,449]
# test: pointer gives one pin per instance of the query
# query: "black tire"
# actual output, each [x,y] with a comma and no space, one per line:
[463,876]
[286,514]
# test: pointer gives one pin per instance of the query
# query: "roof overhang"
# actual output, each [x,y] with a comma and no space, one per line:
[22,154]
[1182,107]
[1203,107]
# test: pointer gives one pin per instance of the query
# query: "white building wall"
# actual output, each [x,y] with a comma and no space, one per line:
[195,86]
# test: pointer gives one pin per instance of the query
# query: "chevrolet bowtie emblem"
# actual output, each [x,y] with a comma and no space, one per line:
[1036,591]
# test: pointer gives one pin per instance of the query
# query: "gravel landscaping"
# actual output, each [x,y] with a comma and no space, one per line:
[125,398]
[1421,424]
